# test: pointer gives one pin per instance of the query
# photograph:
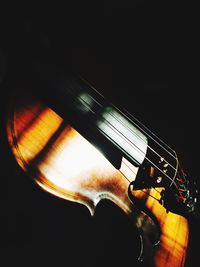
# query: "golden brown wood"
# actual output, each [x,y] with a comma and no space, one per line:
[65,164]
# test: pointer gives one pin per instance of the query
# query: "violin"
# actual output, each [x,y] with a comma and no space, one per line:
[78,146]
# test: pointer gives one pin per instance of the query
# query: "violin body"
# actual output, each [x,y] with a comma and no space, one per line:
[128,52]
[65,160]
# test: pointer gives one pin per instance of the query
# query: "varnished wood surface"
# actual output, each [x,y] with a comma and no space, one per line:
[126,52]
[63,163]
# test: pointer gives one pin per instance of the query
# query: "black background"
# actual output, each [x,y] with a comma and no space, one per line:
[141,59]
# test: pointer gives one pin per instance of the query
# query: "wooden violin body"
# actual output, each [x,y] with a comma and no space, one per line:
[67,165]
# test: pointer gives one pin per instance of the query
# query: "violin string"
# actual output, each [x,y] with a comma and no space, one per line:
[147,193]
[132,144]
[129,114]
[146,132]
[128,128]
[125,175]
[144,191]
[155,190]
[24,163]
[135,173]
[175,157]
[141,152]
[177,163]
[143,141]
